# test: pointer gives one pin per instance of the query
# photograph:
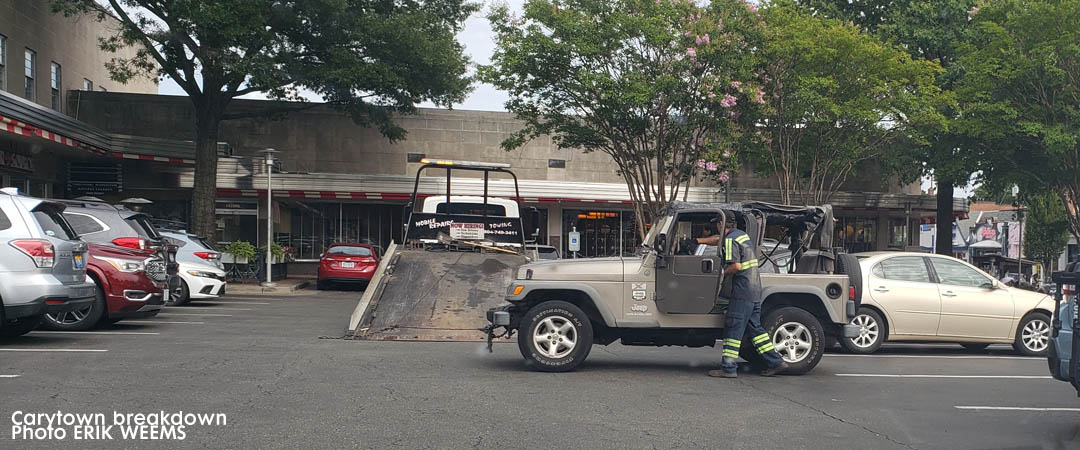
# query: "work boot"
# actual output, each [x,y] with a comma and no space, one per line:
[723,374]
[772,371]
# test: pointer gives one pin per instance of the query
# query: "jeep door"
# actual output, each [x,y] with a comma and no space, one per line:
[687,280]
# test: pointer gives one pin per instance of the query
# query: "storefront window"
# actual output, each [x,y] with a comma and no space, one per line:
[856,234]
[898,233]
[314,226]
[603,233]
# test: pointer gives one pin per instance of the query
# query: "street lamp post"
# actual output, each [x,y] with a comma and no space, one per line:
[1020,235]
[268,159]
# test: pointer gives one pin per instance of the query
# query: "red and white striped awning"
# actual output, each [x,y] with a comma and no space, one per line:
[23,129]
[337,195]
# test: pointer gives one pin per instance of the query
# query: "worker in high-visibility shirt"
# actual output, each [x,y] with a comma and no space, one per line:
[744,309]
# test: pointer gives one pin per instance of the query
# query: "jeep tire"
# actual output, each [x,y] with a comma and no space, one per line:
[555,336]
[797,336]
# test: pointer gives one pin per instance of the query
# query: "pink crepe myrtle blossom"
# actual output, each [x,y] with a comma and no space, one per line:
[701,164]
[735,84]
[724,176]
[728,101]
[687,34]
[751,6]
[705,38]
[711,166]
[759,96]
[691,52]
[711,95]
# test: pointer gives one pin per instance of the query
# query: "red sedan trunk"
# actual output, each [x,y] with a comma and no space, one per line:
[347,263]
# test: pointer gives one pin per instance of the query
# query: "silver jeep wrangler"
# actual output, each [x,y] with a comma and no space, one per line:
[673,292]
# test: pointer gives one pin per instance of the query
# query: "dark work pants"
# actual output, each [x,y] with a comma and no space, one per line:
[744,320]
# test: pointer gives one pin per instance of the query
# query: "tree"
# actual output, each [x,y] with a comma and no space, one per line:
[368,58]
[657,85]
[931,30]
[839,98]
[1046,229]
[1020,94]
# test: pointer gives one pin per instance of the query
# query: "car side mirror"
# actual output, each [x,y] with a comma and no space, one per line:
[992,285]
[661,244]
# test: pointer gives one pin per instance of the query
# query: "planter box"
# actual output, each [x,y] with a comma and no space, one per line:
[228,258]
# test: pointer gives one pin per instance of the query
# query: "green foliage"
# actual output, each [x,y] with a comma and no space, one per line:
[838,99]
[1020,95]
[241,250]
[368,58]
[1045,229]
[657,85]
[276,251]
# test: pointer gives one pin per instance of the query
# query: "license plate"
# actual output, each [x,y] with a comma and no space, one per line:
[348,265]
[79,261]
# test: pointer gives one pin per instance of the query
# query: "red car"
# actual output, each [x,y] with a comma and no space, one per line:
[130,284]
[347,263]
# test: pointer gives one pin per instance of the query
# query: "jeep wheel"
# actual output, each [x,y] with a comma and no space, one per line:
[555,336]
[797,336]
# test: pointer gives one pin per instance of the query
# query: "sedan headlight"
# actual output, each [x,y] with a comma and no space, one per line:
[125,265]
[200,273]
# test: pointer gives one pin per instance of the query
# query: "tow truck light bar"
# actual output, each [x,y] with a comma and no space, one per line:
[464,164]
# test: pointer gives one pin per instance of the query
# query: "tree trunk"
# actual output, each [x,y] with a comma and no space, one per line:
[204,194]
[944,217]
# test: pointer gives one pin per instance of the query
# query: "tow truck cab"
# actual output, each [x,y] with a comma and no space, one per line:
[1063,357]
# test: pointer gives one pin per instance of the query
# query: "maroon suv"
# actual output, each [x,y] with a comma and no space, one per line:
[130,285]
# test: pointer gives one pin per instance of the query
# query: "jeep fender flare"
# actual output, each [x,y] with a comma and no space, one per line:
[588,291]
[834,316]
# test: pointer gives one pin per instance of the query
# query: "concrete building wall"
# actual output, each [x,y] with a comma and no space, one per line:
[324,140]
[71,42]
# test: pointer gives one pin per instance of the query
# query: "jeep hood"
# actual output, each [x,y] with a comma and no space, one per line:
[587,269]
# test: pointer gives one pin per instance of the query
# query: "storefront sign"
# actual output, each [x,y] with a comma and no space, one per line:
[94,179]
[467,231]
[505,230]
[16,161]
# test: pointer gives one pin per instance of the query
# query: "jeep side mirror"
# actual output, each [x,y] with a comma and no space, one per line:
[661,244]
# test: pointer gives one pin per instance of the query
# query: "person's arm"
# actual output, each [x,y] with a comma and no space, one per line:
[711,240]
[732,268]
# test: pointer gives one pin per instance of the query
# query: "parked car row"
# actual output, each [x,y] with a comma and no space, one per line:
[73,265]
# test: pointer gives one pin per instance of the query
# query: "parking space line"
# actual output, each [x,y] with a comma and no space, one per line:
[134,333]
[229,302]
[933,356]
[9,376]
[890,375]
[1013,408]
[59,350]
[193,314]
[155,322]
[206,307]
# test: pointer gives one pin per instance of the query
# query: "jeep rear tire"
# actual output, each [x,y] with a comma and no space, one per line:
[555,336]
[797,336]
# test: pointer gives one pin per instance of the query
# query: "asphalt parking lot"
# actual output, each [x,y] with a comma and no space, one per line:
[272,365]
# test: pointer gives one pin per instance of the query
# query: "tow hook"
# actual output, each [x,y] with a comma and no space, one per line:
[490,332]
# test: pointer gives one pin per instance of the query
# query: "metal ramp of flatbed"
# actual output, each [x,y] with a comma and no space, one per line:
[426,295]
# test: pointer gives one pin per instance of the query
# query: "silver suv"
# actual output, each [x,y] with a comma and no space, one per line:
[42,263]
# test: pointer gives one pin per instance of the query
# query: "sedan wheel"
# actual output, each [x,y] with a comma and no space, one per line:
[871,332]
[1033,335]
[80,319]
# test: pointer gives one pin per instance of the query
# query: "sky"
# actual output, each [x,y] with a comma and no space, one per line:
[479,43]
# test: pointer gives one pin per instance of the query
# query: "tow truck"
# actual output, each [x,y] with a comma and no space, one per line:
[1064,354]
[458,253]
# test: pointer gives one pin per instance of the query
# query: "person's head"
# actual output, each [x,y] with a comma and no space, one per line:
[724,223]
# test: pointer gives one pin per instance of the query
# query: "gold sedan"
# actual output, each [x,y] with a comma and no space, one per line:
[924,297]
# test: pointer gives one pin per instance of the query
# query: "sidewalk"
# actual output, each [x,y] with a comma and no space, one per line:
[289,286]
